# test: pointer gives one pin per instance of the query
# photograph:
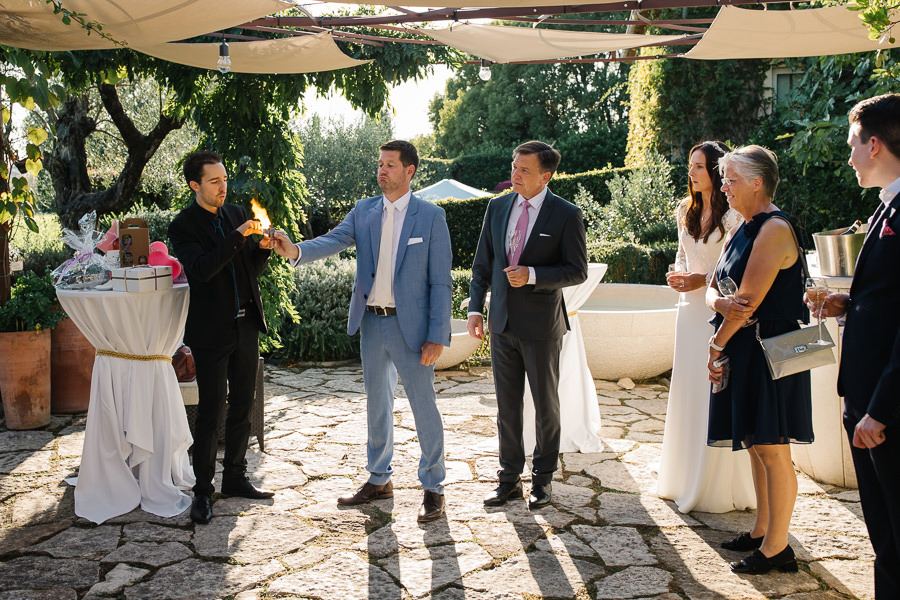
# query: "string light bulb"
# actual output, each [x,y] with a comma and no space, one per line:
[485,71]
[224,62]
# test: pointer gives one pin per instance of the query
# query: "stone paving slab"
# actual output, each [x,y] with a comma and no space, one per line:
[606,535]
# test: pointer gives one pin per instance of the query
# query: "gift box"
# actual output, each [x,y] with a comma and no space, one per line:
[134,242]
[142,279]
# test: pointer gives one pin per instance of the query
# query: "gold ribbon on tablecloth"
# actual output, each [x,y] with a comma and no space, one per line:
[140,357]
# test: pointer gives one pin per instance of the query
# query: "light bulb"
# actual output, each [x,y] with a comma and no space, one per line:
[224,62]
[485,71]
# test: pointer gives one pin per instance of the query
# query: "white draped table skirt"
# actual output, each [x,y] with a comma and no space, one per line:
[137,436]
[579,414]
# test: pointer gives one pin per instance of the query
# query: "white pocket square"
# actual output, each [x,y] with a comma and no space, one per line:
[545,235]
[415,240]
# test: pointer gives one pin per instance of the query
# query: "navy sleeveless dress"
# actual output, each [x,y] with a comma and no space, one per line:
[754,408]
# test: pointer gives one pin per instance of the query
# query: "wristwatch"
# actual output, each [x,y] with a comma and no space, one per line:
[714,345]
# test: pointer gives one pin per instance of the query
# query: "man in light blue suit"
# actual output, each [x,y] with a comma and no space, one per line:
[401,306]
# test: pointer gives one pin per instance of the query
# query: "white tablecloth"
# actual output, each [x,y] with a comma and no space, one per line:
[579,414]
[137,436]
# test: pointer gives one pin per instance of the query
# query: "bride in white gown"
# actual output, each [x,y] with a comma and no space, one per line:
[694,475]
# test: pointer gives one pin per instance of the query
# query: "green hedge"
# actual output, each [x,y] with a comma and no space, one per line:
[464,217]
[594,182]
[633,263]
[432,170]
[321,298]
[483,171]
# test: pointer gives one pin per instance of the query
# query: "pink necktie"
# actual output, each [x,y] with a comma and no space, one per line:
[517,241]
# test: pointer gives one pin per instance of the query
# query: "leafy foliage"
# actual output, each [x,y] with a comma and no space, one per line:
[628,262]
[339,162]
[321,297]
[677,103]
[808,131]
[580,108]
[33,305]
[642,208]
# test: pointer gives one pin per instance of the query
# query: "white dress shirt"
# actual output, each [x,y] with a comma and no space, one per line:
[887,194]
[400,206]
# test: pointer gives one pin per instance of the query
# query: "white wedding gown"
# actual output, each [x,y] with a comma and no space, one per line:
[694,475]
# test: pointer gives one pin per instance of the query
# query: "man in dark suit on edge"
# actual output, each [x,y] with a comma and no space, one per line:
[532,245]
[225,317]
[869,375]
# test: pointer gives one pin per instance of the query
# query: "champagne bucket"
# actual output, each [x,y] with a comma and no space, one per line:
[837,253]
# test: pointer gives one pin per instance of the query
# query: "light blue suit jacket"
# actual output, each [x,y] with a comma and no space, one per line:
[422,279]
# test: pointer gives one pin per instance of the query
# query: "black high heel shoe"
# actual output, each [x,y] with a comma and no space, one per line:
[758,564]
[743,543]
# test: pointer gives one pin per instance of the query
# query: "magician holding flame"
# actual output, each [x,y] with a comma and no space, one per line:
[222,263]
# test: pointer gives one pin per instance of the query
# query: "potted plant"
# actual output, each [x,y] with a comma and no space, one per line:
[25,323]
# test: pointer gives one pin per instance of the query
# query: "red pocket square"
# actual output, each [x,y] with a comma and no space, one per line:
[885,229]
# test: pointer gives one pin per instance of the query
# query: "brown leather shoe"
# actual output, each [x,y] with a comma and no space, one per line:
[432,507]
[367,493]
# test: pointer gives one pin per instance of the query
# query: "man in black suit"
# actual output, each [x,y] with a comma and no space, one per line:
[532,245]
[225,316]
[869,375]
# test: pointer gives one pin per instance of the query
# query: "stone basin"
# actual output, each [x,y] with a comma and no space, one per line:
[629,330]
[462,345]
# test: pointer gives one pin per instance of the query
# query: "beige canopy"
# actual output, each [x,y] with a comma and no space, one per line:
[743,33]
[305,54]
[511,44]
[31,23]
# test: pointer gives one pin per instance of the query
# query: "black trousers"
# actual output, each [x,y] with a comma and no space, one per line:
[879,495]
[227,371]
[511,359]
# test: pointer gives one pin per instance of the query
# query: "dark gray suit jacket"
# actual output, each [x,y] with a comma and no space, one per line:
[556,250]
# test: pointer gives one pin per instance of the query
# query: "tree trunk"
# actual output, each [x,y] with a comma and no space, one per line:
[68,161]
[5,280]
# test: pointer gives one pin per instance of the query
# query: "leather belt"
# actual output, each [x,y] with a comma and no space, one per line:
[381,311]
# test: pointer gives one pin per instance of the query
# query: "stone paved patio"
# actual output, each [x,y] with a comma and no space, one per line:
[606,535]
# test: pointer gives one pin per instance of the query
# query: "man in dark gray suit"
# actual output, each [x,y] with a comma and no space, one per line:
[532,245]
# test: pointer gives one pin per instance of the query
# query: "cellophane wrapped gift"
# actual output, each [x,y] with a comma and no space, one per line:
[86,269]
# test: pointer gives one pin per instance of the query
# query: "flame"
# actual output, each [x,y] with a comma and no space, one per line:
[260,214]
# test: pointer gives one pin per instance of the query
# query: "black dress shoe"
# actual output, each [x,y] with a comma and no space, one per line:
[743,543]
[758,564]
[244,489]
[367,493]
[432,507]
[201,509]
[540,496]
[504,491]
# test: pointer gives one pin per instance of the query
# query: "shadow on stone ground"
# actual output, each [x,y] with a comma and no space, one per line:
[606,536]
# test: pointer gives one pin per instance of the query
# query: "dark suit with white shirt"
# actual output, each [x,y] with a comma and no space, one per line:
[527,323]
[869,381]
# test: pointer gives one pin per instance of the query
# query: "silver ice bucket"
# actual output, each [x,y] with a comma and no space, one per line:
[837,253]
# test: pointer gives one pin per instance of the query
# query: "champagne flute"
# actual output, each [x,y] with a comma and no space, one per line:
[727,287]
[816,290]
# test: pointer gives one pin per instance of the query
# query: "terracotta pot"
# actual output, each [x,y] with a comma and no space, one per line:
[25,378]
[71,364]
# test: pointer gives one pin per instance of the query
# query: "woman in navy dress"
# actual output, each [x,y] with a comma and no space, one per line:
[753,411]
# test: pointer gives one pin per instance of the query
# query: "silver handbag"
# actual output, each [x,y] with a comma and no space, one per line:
[793,352]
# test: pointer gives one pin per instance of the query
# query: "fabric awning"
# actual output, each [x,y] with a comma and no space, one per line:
[449,188]
[31,24]
[303,54]
[511,44]
[742,33]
